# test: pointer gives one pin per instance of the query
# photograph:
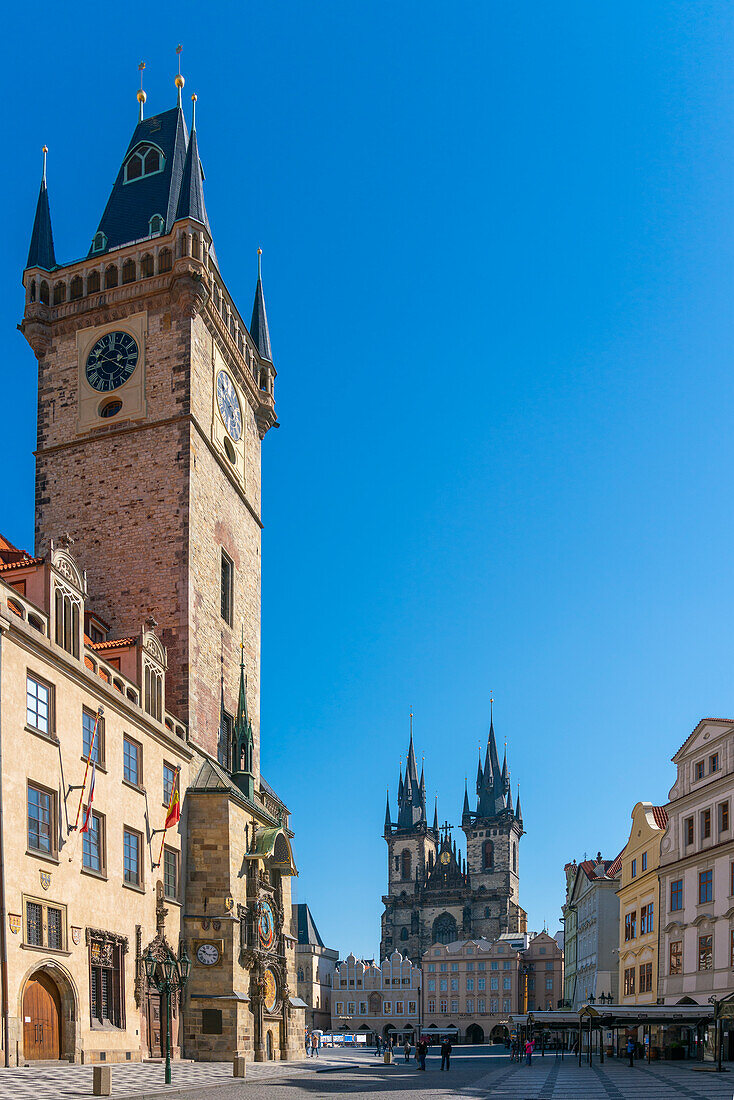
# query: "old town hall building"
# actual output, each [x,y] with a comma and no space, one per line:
[130,647]
[436,895]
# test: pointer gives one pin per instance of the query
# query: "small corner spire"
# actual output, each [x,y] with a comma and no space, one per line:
[435,816]
[41,250]
[193,112]
[141,93]
[259,324]
[179,80]
[466,811]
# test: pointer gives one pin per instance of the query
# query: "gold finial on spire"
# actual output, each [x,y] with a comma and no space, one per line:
[193,111]
[259,263]
[44,151]
[179,81]
[141,94]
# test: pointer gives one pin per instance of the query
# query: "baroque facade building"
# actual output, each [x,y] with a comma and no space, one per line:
[472,987]
[591,929]
[154,397]
[639,913]
[434,893]
[697,872]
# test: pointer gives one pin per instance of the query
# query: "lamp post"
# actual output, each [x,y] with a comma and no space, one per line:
[167,975]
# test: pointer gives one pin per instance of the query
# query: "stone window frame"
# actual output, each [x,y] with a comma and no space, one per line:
[45,904]
[40,681]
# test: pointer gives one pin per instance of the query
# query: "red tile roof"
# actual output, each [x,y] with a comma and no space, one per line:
[661,816]
[11,557]
[615,866]
[114,643]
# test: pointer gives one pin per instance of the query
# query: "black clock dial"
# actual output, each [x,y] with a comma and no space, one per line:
[111,361]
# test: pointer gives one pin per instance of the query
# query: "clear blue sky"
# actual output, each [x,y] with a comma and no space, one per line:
[498,268]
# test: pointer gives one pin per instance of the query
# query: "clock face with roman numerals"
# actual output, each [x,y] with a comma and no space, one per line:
[111,361]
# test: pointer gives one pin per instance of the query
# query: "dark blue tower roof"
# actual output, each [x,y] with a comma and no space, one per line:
[132,204]
[41,252]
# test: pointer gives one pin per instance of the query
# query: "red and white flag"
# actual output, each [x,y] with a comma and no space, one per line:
[88,812]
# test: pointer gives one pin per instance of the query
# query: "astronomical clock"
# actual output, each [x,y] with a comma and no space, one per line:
[263,936]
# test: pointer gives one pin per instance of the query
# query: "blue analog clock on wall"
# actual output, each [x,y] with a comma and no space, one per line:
[229,405]
[111,361]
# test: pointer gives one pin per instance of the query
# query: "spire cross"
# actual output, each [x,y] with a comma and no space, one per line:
[179,81]
[141,94]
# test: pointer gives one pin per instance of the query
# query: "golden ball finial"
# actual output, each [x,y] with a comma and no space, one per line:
[194,98]
[142,96]
[45,149]
[259,251]
[179,81]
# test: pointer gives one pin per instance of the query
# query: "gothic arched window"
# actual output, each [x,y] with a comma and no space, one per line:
[93,282]
[145,161]
[514,857]
[405,865]
[403,933]
[444,929]
[488,855]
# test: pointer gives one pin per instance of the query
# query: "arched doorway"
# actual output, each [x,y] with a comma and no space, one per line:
[269,1046]
[41,1018]
[499,1034]
[474,1034]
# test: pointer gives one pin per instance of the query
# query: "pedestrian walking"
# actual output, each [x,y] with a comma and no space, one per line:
[446,1054]
[378,1046]
[529,1047]
[308,1044]
[314,1046]
[514,1055]
[631,1052]
[422,1052]
[406,1050]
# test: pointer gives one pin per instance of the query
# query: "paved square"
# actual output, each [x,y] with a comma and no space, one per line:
[476,1073]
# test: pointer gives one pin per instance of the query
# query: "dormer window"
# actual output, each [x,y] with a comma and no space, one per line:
[145,161]
[156,225]
[99,243]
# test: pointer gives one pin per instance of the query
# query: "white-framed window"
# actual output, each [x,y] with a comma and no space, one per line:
[145,160]
[99,242]
[38,704]
[454,1005]
[156,225]
[350,1008]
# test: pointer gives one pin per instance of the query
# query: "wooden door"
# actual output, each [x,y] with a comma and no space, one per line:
[41,1018]
[154,1022]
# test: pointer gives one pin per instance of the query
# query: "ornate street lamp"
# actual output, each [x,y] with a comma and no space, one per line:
[167,975]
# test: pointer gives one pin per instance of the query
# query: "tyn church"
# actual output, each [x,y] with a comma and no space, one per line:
[436,895]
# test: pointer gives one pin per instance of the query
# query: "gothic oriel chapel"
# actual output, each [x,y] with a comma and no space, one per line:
[154,397]
[434,894]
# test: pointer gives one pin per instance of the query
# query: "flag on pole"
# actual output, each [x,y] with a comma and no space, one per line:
[88,814]
[174,813]
[174,805]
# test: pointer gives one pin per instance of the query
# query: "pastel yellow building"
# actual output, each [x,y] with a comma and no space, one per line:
[639,906]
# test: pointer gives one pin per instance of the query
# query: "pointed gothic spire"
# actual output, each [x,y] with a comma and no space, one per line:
[435,816]
[400,786]
[191,196]
[466,811]
[259,324]
[479,771]
[41,252]
[388,823]
[518,811]
[505,772]
[243,748]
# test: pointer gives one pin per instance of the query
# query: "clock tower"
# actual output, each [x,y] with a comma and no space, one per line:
[154,397]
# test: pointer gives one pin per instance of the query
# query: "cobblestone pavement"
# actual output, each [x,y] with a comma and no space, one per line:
[476,1073]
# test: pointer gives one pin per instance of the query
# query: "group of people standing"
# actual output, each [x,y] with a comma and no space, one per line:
[312,1044]
[421,1051]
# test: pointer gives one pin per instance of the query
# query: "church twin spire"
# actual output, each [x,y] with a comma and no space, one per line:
[494,796]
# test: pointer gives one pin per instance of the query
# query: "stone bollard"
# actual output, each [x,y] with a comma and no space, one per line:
[388,1057]
[102,1081]
[239,1066]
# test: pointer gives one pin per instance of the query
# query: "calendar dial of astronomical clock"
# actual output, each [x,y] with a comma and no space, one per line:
[445,857]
